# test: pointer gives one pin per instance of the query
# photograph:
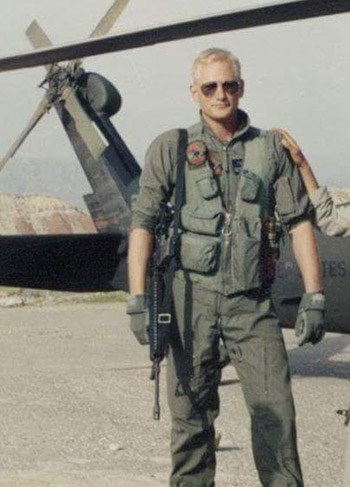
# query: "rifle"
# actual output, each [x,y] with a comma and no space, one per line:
[162,273]
[159,303]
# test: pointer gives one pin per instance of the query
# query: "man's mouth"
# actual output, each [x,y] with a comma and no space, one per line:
[220,105]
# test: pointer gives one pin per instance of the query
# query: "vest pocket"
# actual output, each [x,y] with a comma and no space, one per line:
[199,220]
[285,203]
[207,187]
[246,254]
[250,186]
[199,253]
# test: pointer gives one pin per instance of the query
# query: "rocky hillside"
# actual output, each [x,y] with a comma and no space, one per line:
[37,214]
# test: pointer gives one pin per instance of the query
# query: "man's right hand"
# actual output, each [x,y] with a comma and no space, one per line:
[137,309]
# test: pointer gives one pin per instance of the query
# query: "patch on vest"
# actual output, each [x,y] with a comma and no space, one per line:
[196,153]
[215,163]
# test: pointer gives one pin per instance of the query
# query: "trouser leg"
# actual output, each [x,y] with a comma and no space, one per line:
[192,380]
[255,344]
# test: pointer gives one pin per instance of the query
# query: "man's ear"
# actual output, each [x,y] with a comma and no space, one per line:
[194,92]
[241,88]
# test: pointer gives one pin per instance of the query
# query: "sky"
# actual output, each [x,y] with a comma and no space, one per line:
[296,76]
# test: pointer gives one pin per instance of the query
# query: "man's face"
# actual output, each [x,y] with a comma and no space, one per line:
[215,93]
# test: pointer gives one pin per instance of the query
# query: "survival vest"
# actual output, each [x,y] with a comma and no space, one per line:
[229,249]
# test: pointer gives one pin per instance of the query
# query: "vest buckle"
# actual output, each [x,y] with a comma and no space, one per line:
[226,228]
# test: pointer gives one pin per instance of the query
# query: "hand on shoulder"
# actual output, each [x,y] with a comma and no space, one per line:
[292,147]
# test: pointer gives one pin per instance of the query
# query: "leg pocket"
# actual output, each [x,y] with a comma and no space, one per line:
[264,370]
[277,373]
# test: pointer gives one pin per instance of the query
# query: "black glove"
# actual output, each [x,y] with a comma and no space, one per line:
[137,308]
[310,324]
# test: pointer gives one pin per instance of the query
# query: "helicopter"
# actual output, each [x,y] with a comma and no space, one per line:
[85,103]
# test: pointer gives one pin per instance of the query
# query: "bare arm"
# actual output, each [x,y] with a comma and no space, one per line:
[139,253]
[328,218]
[156,187]
[308,177]
[306,254]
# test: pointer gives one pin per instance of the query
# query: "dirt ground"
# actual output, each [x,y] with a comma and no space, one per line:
[76,405]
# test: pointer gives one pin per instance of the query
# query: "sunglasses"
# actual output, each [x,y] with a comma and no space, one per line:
[229,87]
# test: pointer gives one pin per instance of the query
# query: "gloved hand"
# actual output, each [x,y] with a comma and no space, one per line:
[310,324]
[137,308]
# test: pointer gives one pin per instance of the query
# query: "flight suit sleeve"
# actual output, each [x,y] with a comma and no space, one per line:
[156,181]
[292,202]
[328,218]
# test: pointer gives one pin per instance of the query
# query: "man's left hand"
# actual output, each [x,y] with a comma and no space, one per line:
[310,324]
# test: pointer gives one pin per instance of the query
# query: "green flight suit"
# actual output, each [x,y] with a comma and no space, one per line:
[219,293]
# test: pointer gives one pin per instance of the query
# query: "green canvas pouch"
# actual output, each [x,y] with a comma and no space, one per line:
[246,268]
[250,186]
[201,220]
[199,253]
[285,203]
[207,187]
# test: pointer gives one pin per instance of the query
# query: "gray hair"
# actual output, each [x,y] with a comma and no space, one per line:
[212,55]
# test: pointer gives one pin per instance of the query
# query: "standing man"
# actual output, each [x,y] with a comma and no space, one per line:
[235,176]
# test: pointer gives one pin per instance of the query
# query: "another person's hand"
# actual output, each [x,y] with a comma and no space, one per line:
[310,323]
[292,146]
[137,309]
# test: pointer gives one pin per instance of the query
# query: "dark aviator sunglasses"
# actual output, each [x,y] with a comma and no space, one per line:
[229,87]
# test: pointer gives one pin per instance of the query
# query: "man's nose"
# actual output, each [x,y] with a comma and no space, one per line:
[220,92]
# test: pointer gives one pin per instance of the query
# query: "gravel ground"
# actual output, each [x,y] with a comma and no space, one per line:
[76,405]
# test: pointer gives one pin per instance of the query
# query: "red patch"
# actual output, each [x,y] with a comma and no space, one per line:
[196,153]
[215,163]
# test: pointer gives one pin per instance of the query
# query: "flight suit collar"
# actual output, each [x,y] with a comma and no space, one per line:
[243,127]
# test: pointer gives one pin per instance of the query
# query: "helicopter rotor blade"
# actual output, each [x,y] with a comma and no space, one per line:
[109,19]
[82,123]
[104,26]
[38,114]
[37,36]
[39,40]
[238,19]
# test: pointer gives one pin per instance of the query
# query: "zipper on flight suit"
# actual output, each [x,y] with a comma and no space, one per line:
[226,232]
[226,229]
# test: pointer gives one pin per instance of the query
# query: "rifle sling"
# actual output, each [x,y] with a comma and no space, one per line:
[179,188]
